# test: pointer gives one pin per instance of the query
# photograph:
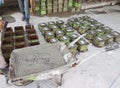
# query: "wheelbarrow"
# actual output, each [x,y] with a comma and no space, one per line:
[39,62]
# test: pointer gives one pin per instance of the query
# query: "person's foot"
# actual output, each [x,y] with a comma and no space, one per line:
[27,22]
[5,24]
[23,18]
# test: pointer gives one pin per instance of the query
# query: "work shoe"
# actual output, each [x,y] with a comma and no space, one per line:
[23,18]
[5,24]
[27,22]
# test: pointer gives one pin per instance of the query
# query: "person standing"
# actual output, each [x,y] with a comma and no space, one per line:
[24,6]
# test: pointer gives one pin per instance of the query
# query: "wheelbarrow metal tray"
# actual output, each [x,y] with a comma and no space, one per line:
[36,59]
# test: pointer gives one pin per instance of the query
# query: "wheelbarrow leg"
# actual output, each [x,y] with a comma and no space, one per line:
[59,80]
[38,85]
[7,79]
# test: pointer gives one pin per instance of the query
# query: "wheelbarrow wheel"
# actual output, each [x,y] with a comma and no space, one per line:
[22,82]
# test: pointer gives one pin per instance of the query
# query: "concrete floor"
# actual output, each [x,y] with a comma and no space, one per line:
[100,71]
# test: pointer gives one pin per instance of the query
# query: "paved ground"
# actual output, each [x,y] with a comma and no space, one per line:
[101,71]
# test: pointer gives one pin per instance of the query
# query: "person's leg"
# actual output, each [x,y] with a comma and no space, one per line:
[27,11]
[21,6]
[31,7]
